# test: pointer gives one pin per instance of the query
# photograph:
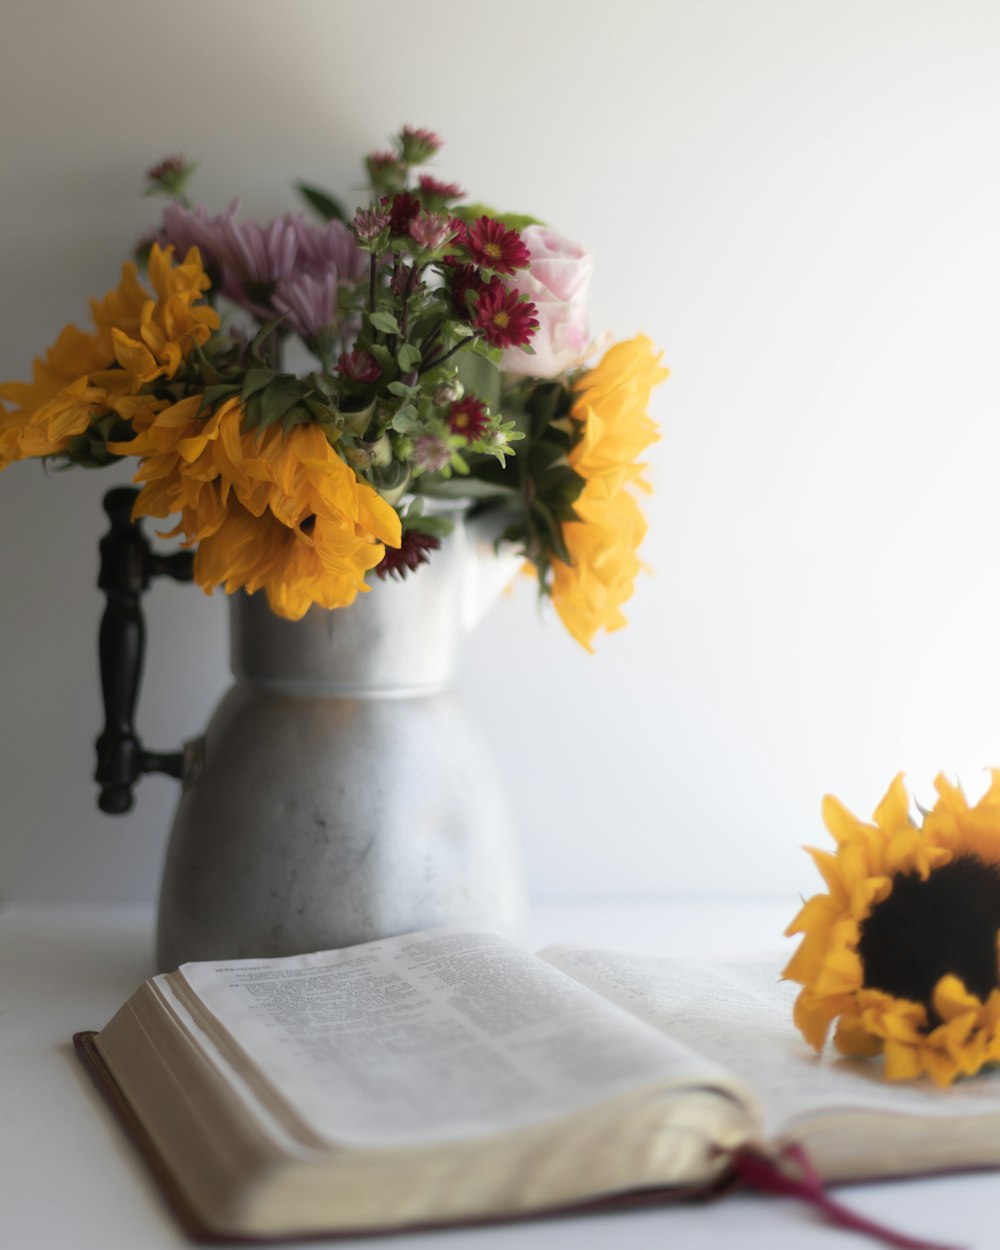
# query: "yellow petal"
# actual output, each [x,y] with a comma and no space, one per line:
[894,810]
[902,1061]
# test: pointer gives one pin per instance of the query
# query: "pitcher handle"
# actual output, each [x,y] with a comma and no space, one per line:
[128,564]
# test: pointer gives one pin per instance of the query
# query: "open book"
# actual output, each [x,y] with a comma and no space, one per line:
[452,1076]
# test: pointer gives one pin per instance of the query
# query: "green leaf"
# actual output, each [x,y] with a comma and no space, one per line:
[467,488]
[552,529]
[327,205]
[356,422]
[513,221]
[559,489]
[544,406]
[296,415]
[391,481]
[480,377]
[324,414]
[408,357]
[402,390]
[436,526]
[382,356]
[482,348]
[212,396]
[544,454]
[209,372]
[277,399]
[262,335]
[385,322]
[405,421]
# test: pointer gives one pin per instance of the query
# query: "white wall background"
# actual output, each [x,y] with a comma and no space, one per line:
[799,200]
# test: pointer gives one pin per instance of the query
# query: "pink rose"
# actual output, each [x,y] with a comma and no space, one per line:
[558,284]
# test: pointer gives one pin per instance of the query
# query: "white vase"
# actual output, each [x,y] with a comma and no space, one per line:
[341,793]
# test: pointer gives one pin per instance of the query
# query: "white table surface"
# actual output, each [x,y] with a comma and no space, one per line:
[68,1178]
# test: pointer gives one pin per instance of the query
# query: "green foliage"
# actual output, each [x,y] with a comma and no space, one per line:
[470,213]
[415,517]
[480,375]
[476,488]
[393,422]
[285,398]
[322,202]
[384,321]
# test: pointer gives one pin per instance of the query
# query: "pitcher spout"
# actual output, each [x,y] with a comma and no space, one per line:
[490,566]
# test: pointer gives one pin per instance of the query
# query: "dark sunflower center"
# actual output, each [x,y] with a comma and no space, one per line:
[927,929]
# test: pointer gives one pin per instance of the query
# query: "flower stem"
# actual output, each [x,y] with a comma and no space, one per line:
[411,281]
[439,360]
[431,336]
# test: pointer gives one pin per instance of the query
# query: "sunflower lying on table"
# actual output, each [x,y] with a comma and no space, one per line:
[902,949]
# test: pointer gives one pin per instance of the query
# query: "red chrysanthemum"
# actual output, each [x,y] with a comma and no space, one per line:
[462,279]
[359,366]
[440,190]
[493,246]
[403,209]
[408,556]
[460,232]
[400,278]
[468,417]
[504,318]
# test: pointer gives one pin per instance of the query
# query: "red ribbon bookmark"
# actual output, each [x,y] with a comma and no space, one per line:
[764,1174]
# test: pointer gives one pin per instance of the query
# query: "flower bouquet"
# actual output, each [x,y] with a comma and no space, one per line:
[447,349]
[317,404]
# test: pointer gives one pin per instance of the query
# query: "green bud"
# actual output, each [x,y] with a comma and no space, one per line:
[448,393]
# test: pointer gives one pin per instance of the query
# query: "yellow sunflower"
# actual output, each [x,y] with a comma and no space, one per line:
[277,511]
[902,949]
[136,338]
[610,404]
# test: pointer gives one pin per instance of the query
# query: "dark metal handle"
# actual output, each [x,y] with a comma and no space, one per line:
[128,564]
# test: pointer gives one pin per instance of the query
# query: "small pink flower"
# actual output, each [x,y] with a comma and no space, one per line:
[359,366]
[369,223]
[430,453]
[431,230]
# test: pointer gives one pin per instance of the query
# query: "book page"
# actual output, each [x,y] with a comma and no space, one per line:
[739,1014]
[434,1036]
